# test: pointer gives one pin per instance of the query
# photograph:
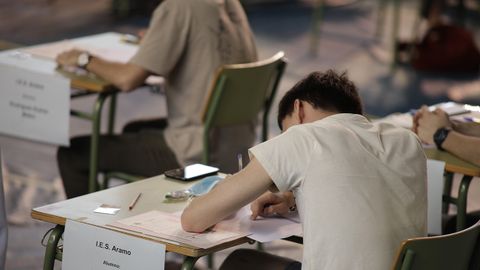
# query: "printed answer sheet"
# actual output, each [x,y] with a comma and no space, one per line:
[167,226]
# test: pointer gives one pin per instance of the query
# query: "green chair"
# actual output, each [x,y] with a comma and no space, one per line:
[459,251]
[239,93]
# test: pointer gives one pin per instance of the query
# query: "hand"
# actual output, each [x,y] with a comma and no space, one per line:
[426,123]
[68,58]
[269,204]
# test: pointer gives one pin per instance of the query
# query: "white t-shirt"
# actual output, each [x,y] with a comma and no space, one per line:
[360,189]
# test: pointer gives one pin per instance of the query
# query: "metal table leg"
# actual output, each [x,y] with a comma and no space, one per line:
[317,18]
[96,125]
[447,191]
[51,249]
[111,114]
[189,263]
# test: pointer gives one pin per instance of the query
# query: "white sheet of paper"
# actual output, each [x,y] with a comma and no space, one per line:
[33,105]
[404,120]
[107,209]
[262,229]
[167,226]
[106,45]
[435,171]
[91,247]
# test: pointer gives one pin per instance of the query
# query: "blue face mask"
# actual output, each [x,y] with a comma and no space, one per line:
[200,188]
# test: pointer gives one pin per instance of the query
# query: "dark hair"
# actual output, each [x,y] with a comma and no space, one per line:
[328,91]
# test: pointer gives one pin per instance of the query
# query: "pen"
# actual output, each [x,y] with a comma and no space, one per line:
[130,207]
[471,119]
[240,161]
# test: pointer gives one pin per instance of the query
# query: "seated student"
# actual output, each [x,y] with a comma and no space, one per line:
[460,139]
[186,42]
[360,189]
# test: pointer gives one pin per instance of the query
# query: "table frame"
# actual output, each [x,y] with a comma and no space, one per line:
[455,165]
[152,188]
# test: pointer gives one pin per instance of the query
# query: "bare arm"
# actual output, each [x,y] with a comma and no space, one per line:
[463,146]
[227,197]
[468,128]
[125,77]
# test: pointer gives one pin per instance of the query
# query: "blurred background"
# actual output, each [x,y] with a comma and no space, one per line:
[360,37]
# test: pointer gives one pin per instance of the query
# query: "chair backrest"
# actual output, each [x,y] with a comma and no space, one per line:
[239,93]
[445,252]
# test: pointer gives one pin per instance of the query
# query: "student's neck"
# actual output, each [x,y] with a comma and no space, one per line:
[316,115]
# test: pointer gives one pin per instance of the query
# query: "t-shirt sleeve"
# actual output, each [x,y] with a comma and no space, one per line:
[166,38]
[285,158]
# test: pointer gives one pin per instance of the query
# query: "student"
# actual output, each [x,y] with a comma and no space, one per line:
[359,189]
[187,41]
[460,139]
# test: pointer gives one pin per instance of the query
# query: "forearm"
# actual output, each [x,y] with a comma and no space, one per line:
[226,198]
[465,147]
[469,128]
[125,77]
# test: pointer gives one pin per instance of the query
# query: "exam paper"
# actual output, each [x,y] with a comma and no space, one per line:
[262,229]
[167,226]
[404,120]
[107,45]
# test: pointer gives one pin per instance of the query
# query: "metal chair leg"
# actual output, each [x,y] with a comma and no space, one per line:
[462,202]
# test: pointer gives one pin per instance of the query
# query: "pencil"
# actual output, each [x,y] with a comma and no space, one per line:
[130,207]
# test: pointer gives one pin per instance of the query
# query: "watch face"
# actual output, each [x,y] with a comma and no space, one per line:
[83,59]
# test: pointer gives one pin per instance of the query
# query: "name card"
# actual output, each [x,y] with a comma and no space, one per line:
[33,105]
[91,247]
[435,171]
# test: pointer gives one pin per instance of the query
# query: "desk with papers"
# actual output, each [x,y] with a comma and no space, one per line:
[39,61]
[142,220]
[453,164]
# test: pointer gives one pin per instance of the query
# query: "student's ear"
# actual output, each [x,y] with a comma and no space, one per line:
[298,114]
[300,110]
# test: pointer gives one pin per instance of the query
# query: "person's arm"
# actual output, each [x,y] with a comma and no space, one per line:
[463,146]
[227,197]
[467,128]
[125,77]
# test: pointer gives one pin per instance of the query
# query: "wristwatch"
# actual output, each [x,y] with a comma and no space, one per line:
[83,59]
[439,137]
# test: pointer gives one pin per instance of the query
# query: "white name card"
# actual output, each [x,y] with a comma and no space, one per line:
[435,171]
[34,105]
[91,247]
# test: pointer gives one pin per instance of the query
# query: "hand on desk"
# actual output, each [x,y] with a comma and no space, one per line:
[269,204]
[426,122]
[68,58]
